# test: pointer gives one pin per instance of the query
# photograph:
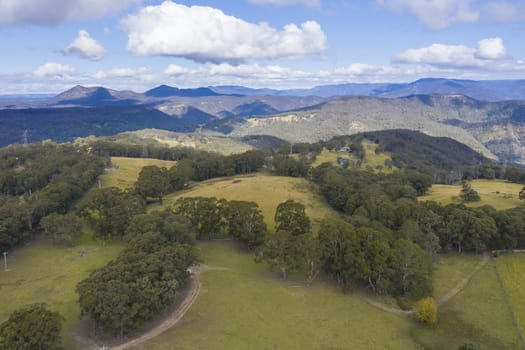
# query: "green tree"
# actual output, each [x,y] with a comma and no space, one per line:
[280,253]
[153,182]
[467,193]
[290,216]
[309,252]
[180,174]
[204,214]
[412,270]
[426,311]
[521,195]
[33,327]
[245,222]
[63,229]
[109,211]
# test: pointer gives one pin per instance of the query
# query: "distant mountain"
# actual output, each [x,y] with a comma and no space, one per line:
[491,128]
[94,97]
[483,90]
[168,91]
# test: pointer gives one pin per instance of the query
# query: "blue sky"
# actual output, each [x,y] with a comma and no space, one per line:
[52,45]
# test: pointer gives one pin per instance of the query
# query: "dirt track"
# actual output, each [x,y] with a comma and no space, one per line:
[175,317]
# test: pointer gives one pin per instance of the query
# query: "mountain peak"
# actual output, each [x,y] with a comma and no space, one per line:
[169,91]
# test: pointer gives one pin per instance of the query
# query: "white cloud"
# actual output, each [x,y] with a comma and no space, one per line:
[174,69]
[435,14]
[84,46]
[488,55]
[503,11]
[53,69]
[119,72]
[52,12]
[309,3]
[206,34]
[491,49]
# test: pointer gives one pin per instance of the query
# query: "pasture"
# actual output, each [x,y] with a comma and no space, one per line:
[42,273]
[267,191]
[124,172]
[511,270]
[498,193]
[248,307]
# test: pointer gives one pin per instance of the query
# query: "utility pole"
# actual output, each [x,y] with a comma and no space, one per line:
[5,261]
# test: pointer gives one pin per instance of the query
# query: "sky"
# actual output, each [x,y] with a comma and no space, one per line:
[48,46]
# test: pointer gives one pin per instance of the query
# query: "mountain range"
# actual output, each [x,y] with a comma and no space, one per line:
[438,107]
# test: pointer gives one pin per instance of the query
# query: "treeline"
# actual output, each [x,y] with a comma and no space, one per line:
[38,180]
[388,202]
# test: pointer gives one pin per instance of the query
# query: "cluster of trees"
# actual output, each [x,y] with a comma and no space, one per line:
[32,327]
[39,180]
[212,217]
[146,277]
[384,261]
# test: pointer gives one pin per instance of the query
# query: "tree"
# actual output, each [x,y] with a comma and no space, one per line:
[109,210]
[61,228]
[309,251]
[334,237]
[245,222]
[204,214]
[426,311]
[33,327]
[290,216]
[280,253]
[412,270]
[522,194]
[153,182]
[468,194]
[180,174]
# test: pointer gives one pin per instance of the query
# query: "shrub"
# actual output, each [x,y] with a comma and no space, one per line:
[426,311]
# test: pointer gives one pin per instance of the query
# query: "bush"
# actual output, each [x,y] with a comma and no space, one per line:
[426,311]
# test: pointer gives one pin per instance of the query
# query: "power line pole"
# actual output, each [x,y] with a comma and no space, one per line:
[5,261]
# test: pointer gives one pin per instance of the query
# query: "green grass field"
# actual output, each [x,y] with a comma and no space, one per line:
[247,307]
[511,269]
[497,193]
[125,171]
[479,314]
[451,269]
[267,191]
[376,161]
[43,273]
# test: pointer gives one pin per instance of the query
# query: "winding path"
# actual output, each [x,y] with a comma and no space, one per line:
[175,317]
[441,300]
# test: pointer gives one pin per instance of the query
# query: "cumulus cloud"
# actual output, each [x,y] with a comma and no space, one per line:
[487,54]
[120,72]
[84,46]
[52,12]
[435,14]
[53,69]
[206,34]
[174,69]
[491,49]
[309,3]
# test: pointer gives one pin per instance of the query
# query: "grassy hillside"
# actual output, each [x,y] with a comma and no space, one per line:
[43,273]
[498,193]
[511,271]
[209,142]
[478,314]
[267,191]
[246,307]
[125,171]
[372,159]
